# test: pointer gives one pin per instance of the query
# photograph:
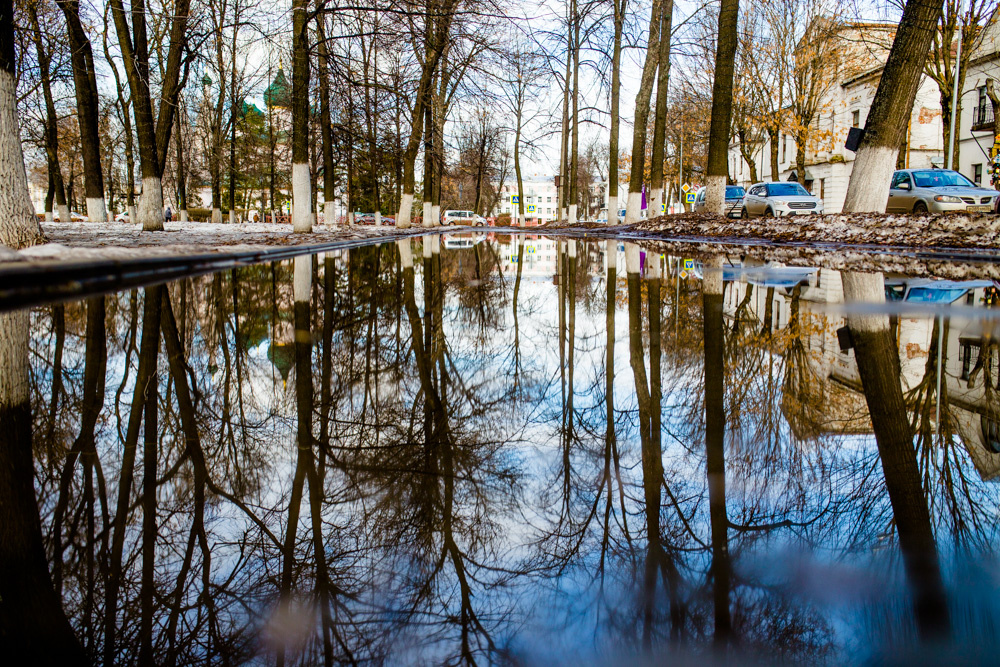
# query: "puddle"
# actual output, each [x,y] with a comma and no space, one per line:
[496,449]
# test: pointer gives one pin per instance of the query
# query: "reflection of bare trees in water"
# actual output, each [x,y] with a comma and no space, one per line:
[335,464]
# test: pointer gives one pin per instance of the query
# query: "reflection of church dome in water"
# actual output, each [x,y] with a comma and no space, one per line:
[282,357]
[279,93]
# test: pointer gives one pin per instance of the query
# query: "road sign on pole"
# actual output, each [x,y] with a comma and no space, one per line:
[690,197]
[531,208]
[515,199]
[685,187]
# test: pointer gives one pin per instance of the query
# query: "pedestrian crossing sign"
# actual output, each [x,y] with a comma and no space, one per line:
[690,197]
[531,208]
[689,265]
[663,208]
[515,199]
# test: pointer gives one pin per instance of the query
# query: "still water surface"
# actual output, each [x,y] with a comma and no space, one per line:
[472,450]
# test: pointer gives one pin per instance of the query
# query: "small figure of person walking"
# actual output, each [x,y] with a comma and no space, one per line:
[168,214]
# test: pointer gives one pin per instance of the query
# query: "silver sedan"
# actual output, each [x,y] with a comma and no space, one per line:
[937,191]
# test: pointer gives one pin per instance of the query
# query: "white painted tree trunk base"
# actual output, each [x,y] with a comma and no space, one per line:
[571,248]
[633,260]
[64,214]
[301,198]
[435,245]
[610,256]
[217,216]
[184,215]
[405,253]
[861,289]
[330,214]
[868,189]
[232,217]
[150,214]
[572,214]
[612,209]
[715,195]
[427,249]
[405,211]
[49,217]
[711,271]
[97,211]
[378,218]
[633,209]
[302,285]
[426,215]
[655,206]
[435,216]
[133,212]
[350,218]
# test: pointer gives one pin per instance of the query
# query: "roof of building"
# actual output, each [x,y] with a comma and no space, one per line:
[279,93]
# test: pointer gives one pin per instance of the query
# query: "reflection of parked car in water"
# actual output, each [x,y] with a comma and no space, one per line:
[734,201]
[452,217]
[937,191]
[925,290]
[779,198]
[456,242]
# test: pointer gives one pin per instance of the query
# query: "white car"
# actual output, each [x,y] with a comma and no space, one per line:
[122,217]
[779,198]
[452,217]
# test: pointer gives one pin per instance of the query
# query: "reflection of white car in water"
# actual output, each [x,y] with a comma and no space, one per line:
[457,242]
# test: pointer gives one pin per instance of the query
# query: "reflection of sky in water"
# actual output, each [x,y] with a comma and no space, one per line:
[525,553]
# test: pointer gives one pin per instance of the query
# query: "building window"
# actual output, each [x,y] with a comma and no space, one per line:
[822,187]
[548,200]
[991,434]
[969,353]
[856,118]
[977,174]
[784,145]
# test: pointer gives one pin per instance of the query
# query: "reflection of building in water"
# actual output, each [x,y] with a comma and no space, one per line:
[541,255]
[822,389]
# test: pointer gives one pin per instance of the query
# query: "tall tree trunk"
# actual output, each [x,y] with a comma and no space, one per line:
[87,108]
[57,189]
[715,440]
[574,195]
[182,206]
[616,72]
[633,209]
[562,191]
[145,379]
[326,127]
[717,171]
[301,179]
[656,200]
[153,133]
[19,227]
[885,127]
[31,615]
[878,365]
